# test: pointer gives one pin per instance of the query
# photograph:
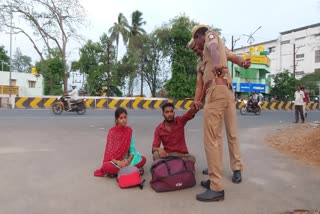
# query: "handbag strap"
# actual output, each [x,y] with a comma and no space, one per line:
[165,160]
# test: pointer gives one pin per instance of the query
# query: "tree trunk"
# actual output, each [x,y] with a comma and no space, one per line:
[141,89]
[51,87]
[65,73]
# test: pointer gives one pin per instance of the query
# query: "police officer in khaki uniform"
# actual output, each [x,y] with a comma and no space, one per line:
[245,63]
[218,91]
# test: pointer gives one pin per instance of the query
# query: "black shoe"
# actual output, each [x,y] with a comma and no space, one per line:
[141,171]
[205,184]
[110,175]
[236,178]
[205,171]
[210,195]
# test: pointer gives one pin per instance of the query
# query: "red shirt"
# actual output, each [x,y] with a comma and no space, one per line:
[306,97]
[173,140]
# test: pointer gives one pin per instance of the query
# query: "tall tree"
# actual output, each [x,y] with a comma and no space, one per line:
[93,63]
[4,59]
[284,85]
[155,62]
[121,27]
[311,81]
[147,54]
[21,63]
[136,24]
[174,38]
[52,70]
[136,29]
[54,22]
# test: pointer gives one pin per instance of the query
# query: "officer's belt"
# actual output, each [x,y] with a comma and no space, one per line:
[215,82]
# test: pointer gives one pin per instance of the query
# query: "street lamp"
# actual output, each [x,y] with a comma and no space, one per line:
[250,36]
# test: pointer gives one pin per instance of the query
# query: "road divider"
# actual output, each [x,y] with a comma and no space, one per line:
[140,103]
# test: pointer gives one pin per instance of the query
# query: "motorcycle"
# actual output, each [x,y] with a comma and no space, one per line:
[61,104]
[252,107]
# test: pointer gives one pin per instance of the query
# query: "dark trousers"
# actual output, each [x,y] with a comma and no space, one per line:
[299,109]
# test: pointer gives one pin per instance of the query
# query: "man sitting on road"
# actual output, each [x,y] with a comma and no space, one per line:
[170,133]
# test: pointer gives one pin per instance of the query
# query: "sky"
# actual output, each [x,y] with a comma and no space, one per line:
[234,18]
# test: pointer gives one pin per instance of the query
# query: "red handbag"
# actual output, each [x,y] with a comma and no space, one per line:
[172,173]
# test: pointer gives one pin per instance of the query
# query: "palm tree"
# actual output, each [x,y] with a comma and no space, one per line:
[136,24]
[120,28]
[135,30]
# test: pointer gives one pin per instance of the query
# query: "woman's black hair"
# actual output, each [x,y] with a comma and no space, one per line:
[119,111]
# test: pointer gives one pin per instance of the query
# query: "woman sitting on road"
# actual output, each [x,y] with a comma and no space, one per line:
[120,148]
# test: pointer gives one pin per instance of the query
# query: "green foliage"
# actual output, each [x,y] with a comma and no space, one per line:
[118,29]
[21,63]
[136,24]
[311,81]
[183,61]
[284,85]
[46,24]
[182,86]
[4,59]
[93,63]
[52,70]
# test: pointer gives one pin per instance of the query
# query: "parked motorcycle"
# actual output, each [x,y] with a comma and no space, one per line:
[62,104]
[252,107]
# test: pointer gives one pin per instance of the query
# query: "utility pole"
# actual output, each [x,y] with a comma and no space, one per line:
[141,89]
[233,44]
[294,60]
[10,85]
[295,51]
[108,68]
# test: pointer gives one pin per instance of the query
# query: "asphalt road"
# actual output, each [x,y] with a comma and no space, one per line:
[47,162]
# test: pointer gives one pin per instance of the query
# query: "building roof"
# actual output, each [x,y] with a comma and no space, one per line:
[260,43]
[300,29]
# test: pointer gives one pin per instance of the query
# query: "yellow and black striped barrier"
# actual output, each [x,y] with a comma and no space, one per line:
[140,103]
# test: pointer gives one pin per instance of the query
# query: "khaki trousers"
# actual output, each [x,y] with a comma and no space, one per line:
[220,107]
[177,154]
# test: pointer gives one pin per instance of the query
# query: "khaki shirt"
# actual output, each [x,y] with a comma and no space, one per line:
[209,74]
[200,69]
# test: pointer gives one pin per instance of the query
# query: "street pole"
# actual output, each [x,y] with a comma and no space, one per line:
[141,84]
[233,44]
[108,68]
[294,60]
[10,102]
